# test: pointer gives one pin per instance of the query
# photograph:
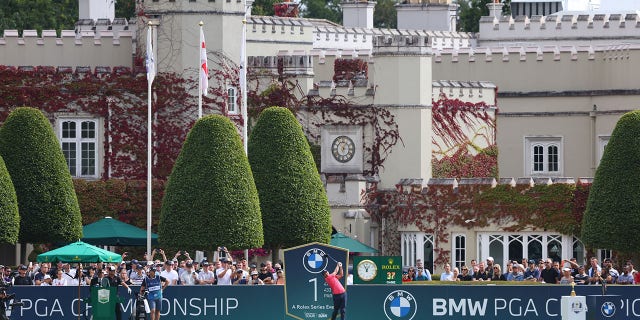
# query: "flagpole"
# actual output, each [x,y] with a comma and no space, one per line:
[199,73]
[243,78]
[150,75]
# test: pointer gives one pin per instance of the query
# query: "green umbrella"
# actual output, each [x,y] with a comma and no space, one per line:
[341,240]
[79,252]
[113,232]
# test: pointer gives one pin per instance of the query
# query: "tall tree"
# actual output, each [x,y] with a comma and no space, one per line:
[9,217]
[385,14]
[470,13]
[612,217]
[294,204]
[263,7]
[211,198]
[322,9]
[47,202]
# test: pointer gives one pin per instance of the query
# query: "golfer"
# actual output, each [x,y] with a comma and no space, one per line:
[339,294]
[155,284]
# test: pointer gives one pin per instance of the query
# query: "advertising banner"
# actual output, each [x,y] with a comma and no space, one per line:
[370,302]
[377,270]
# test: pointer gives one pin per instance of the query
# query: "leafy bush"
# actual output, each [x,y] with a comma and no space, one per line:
[47,202]
[612,217]
[9,217]
[210,198]
[294,204]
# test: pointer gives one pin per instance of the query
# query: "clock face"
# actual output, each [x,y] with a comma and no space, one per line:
[367,270]
[343,149]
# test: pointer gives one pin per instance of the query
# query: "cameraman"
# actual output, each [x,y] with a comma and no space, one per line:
[4,297]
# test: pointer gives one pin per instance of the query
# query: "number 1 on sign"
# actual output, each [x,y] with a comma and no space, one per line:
[315,289]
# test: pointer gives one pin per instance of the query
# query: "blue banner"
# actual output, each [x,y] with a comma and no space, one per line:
[371,302]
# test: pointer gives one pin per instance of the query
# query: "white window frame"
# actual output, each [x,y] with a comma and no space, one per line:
[545,142]
[459,256]
[603,141]
[78,140]
[232,100]
[413,248]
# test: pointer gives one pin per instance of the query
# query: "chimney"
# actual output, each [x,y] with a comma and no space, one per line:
[495,9]
[357,14]
[434,15]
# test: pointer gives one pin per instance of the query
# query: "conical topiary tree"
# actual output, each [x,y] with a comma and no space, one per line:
[612,217]
[211,199]
[9,217]
[294,204]
[47,202]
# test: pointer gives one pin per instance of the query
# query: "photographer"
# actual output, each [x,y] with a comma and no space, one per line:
[4,297]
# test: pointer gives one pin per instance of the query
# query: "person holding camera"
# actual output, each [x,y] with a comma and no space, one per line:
[338,291]
[4,297]
[189,276]
[422,274]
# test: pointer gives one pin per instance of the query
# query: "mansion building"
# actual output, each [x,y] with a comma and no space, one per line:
[553,81]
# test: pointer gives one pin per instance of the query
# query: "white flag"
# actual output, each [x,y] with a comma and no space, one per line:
[204,70]
[151,62]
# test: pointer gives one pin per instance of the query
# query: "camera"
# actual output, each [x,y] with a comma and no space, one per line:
[182,252]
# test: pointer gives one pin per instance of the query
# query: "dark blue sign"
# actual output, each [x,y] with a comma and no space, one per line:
[306,293]
[371,302]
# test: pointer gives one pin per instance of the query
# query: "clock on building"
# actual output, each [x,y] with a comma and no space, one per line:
[342,149]
[367,270]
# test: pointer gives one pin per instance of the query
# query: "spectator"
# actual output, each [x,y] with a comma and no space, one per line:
[581,277]
[39,276]
[134,269]
[46,280]
[224,272]
[473,267]
[456,273]
[489,267]
[531,273]
[497,273]
[626,277]
[465,276]
[447,275]
[242,265]
[566,276]
[206,276]
[608,263]
[7,277]
[265,274]
[100,280]
[280,276]
[123,275]
[549,274]
[255,280]
[91,273]
[422,274]
[189,276]
[22,279]
[138,276]
[170,274]
[481,274]
[594,267]
[59,280]
[411,273]
[239,278]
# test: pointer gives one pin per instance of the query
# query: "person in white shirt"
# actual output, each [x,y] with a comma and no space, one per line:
[189,276]
[59,280]
[170,274]
[46,281]
[224,272]
[447,274]
[206,276]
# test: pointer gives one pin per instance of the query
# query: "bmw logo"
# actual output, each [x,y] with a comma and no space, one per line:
[608,309]
[400,304]
[315,260]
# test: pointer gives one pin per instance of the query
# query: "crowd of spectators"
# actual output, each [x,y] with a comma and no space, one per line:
[179,270]
[543,271]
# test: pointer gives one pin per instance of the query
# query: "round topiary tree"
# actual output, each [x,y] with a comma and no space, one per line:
[211,198]
[9,217]
[47,202]
[294,204]
[612,217]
